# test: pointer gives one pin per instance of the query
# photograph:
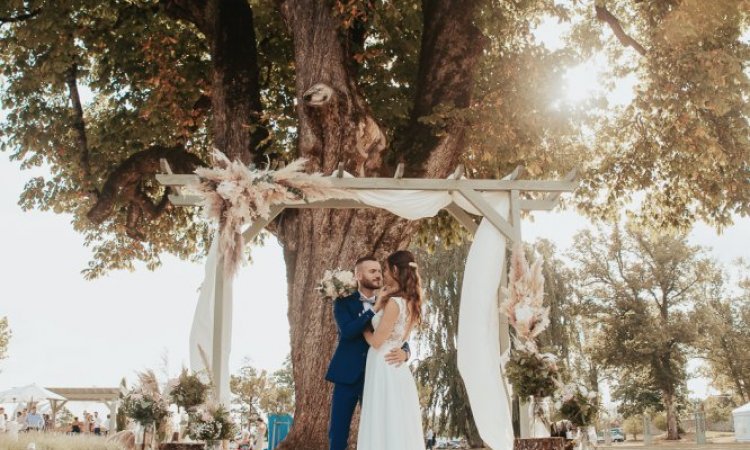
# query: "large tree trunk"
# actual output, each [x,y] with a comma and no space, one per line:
[335,125]
[673,433]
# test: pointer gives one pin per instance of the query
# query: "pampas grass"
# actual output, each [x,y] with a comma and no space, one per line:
[53,441]
[235,195]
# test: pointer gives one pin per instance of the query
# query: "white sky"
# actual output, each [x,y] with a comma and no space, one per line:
[69,332]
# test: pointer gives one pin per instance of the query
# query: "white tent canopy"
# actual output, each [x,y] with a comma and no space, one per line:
[741,418]
[28,394]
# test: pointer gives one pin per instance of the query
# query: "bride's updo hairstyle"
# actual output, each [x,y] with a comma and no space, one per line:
[403,267]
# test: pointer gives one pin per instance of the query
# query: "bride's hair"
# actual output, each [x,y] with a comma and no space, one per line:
[404,269]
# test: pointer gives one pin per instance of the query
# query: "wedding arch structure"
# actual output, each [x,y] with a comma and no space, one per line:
[483,336]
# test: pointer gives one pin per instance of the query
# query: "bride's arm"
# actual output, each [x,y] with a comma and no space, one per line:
[385,327]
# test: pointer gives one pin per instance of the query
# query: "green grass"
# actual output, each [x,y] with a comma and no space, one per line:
[50,441]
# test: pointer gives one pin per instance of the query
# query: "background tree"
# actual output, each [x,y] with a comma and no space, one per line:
[367,83]
[644,282]
[260,392]
[723,338]
[249,385]
[446,401]
[279,399]
[5,335]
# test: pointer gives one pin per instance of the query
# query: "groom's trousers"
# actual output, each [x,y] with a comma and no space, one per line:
[345,399]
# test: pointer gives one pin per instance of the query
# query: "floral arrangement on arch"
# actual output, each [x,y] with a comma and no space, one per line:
[209,423]
[577,404]
[145,403]
[336,283]
[235,195]
[188,391]
[531,372]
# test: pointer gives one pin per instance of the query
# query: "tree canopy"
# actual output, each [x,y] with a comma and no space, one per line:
[97,92]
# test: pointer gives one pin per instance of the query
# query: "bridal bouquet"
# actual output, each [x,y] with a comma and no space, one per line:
[336,283]
[210,423]
[577,404]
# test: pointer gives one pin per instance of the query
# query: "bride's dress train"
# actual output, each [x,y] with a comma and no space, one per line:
[391,418]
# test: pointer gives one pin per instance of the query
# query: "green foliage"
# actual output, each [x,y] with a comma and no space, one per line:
[722,316]
[144,79]
[260,392]
[531,374]
[211,425]
[64,418]
[445,401]
[189,391]
[5,335]
[144,408]
[660,421]
[633,425]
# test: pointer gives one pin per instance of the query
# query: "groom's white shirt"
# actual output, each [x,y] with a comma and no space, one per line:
[367,302]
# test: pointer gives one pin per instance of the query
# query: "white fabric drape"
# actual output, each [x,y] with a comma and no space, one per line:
[202,331]
[478,336]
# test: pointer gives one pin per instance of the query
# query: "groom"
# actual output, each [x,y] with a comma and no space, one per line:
[347,368]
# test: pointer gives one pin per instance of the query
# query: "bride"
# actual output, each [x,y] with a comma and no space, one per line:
[391,418]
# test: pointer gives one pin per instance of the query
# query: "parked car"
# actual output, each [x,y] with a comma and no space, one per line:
[451,443]
[617,435]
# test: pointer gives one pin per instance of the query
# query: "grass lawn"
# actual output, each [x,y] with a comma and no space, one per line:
[53,441]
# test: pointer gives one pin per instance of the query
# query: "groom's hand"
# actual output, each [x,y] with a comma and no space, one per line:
[396,357]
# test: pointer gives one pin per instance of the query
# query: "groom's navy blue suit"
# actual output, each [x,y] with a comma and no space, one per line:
[347,367]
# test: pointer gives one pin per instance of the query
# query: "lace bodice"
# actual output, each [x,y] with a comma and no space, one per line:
[396,338]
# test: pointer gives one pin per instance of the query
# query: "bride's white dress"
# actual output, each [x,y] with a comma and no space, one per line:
[390,418]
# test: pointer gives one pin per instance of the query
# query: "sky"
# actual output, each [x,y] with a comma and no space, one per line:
[69,332]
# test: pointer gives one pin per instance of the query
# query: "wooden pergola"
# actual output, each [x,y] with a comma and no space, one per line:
[109,396]
[524,196]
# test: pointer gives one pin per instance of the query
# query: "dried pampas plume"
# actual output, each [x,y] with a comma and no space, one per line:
[235,195]
[524,298]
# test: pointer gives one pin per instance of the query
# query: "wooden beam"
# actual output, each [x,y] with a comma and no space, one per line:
[476,199]
[515,214]
[164,165]
[185,200]
[256,227]
[218,328]
[462,217]
[535,205]
[399,171]
[415,184]
[459,172]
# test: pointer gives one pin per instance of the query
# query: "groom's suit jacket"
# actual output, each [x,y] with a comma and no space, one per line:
[348,362]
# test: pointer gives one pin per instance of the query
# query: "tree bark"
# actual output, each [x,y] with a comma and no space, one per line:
[673,433]
[235,95]
[336,125]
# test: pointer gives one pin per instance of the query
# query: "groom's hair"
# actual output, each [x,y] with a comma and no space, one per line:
[365,258]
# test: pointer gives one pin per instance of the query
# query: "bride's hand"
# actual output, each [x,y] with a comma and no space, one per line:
[383,295]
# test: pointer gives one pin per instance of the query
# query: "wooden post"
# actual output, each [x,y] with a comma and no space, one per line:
[216,367]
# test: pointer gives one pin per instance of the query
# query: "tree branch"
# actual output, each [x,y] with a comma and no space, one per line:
[192,11]
[124,183]
[603,14]
[79,126]
[20,17]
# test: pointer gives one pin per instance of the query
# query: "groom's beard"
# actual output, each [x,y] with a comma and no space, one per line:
[371,284]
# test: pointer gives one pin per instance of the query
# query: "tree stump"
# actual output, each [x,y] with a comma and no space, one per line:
[182,446]
[552,443]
